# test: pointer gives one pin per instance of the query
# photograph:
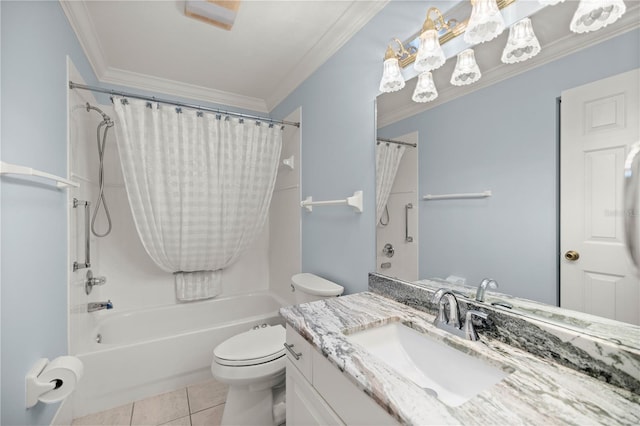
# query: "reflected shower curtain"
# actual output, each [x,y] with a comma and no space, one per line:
[199,186]
[388,158]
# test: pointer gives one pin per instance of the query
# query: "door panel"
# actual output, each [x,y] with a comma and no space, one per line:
[600,122]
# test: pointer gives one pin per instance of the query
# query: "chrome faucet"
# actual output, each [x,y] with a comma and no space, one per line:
[441,299]
[449,320]
[98,306]
[482,288]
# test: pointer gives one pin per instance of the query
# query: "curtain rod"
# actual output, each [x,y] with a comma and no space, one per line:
[398,142]
[73,85]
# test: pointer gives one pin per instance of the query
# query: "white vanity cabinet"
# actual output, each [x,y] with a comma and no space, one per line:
[319,394]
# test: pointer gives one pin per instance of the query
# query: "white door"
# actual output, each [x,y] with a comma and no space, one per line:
[599,123]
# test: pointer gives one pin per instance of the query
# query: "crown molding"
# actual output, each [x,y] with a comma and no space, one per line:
[81,23]
[354,18]
[183,90]
[564,46]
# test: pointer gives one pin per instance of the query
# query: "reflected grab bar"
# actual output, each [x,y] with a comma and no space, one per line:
[407,238]
[87,246]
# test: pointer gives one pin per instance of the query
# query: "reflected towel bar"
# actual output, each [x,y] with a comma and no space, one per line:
[484,194]
[354,201]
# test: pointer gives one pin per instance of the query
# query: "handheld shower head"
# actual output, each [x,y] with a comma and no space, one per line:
[105,118]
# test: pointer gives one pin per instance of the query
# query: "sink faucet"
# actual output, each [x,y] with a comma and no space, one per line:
[440,299]
[98,306]
[450,320]
[486,283]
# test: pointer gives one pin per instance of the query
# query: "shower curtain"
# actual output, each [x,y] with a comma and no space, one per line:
[388,158]
[199,186]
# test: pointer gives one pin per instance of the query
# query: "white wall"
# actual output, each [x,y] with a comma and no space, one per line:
[284,216]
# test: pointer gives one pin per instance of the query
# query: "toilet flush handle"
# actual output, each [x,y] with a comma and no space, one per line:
[295,354]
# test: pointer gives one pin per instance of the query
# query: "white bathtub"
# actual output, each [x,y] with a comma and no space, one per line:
[156,350]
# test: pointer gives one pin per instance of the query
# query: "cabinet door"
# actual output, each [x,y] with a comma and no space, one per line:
[305,407]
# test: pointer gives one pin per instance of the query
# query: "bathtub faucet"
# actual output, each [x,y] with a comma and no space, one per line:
[98,306]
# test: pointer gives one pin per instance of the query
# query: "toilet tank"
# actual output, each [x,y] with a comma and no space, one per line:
[309,287]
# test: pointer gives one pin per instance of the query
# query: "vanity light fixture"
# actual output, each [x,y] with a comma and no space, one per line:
[466,71]
[485,23]
[425,88]
[392,79]
[522,43]
[430,55]
[592,15]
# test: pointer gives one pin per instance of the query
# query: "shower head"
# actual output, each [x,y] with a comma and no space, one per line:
[105,118]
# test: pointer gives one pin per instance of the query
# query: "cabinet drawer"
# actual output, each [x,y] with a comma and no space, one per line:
[299,352]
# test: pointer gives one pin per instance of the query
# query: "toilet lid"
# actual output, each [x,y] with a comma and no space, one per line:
[252,347]
[315,285]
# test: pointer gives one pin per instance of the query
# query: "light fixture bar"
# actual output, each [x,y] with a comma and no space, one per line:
[452,33]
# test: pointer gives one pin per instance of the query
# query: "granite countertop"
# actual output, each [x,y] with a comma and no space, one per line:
[535,392]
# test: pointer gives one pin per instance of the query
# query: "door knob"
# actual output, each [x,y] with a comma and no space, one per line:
[572,255]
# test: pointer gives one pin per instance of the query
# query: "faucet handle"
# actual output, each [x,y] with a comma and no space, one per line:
[91,281]
[469,331]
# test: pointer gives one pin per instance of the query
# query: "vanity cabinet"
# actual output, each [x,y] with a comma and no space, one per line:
[319,394]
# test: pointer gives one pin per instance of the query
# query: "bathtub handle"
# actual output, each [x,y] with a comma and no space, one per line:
[295,354]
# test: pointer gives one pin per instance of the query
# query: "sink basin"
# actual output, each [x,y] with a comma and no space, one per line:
[452,376]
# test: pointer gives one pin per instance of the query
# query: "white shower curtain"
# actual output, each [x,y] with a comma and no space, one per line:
[199,186]
[388,156]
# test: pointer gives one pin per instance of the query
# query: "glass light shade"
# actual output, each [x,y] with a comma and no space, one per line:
[592,15]
[425,89]
[522,43]
[485,23]
[550,2]
[466,71]
[430,55]
[392,79]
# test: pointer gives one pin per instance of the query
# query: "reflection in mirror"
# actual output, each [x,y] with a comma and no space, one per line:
[397,207]
[507,134]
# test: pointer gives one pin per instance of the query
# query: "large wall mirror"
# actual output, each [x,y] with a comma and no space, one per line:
[548,138]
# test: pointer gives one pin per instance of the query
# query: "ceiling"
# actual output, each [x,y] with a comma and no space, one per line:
[272,47]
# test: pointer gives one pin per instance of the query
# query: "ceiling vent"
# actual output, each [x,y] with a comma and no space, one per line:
[219,13]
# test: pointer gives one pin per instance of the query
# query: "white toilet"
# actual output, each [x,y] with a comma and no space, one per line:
[253,363]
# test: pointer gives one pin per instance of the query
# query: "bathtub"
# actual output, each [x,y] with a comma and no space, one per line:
[147,352]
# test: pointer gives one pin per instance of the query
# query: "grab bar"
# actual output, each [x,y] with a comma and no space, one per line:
[407,238]
[87,246]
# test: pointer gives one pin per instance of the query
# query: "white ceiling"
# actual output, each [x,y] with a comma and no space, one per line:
[272,47]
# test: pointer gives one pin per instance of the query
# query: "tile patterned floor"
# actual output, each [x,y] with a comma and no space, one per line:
[197,405]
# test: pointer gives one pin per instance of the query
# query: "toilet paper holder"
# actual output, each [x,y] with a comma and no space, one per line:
[38,388]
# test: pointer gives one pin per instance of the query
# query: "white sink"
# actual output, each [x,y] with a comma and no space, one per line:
[451,375]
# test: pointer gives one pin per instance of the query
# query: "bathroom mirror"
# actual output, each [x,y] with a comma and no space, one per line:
[502,134]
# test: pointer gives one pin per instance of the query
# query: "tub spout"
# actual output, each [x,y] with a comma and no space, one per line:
[98,306]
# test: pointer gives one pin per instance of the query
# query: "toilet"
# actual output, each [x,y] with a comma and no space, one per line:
[252,363]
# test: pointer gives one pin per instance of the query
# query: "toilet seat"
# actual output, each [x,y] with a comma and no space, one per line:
[252,347]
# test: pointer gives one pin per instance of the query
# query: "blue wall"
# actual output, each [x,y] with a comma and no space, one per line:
[35,41]
[338,133]
[507,144]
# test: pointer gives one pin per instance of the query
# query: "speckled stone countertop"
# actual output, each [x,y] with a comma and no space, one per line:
[536,392]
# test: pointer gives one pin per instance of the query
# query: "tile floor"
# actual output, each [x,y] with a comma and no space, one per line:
[197,405]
